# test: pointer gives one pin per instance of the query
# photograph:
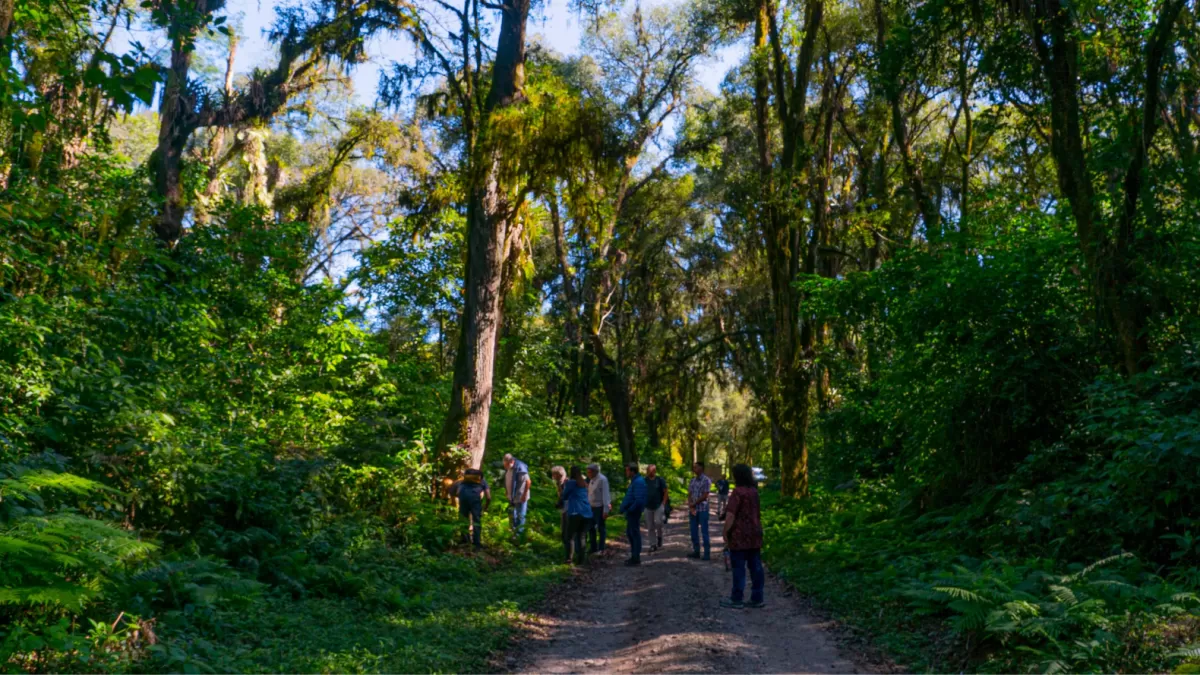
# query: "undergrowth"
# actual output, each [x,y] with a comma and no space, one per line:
[931,607]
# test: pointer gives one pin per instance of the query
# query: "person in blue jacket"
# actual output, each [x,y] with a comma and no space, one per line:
[632,507]
[578,512]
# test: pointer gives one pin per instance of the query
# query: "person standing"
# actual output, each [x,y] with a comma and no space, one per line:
[744,537]
[574,501]
[698,491]
[632,507]
[473,496]
[559,476]
[516,488]
[600,499]
[656,506]
[722,496]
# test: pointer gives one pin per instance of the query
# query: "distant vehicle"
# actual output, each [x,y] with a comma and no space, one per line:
[760,476]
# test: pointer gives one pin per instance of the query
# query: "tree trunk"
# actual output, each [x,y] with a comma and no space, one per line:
[616,389]
[783,239]
[776,443]
[911,164]
[1112,259]
[489,214]
[173,128]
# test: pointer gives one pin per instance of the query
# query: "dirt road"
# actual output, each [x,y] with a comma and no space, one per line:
[664,616]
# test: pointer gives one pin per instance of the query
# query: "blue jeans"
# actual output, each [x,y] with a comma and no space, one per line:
[699,525]
[599,527]
[633,530]
[753,558]
[516,517]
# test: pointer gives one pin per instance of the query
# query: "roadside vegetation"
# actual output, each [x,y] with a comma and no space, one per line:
[931,264]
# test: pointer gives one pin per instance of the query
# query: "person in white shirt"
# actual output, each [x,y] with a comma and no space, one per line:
[600,500]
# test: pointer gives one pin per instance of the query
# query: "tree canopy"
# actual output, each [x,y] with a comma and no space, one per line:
[930,264]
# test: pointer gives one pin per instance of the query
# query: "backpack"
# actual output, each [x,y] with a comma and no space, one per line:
[472,485]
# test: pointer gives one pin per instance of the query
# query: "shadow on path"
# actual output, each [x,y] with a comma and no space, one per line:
[664,616]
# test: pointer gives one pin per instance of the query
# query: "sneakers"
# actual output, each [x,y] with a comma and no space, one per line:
[633,562]
[726,602]
[706,557]
[694,554]
[653,548]
[756,605]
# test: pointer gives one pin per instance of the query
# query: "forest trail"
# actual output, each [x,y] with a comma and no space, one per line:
[664,616]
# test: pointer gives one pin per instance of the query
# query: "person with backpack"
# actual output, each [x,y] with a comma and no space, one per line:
[656,506]
[632,507]
[516,488]
[574,502]
[744,537]
[722,496]
[473,496]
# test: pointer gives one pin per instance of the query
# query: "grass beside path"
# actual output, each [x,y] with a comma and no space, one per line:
[421,612]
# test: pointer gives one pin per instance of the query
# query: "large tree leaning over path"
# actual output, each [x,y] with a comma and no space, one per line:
[491,208]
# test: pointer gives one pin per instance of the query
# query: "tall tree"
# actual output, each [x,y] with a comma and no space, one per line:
[492,204]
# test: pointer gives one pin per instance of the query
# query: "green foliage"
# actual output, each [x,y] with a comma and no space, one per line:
[910,587]
[972,357]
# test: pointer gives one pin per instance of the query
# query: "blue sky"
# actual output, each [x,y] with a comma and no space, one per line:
[553,24]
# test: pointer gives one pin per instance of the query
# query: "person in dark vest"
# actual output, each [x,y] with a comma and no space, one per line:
[473,496]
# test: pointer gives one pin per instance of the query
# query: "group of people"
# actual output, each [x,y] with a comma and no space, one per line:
[585,502]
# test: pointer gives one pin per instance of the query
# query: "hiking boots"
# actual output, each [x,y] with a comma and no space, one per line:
[632,562]
[731,604]
[756,605]
[694,554]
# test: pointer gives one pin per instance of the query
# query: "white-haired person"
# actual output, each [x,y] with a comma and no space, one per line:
[600,499]
[516,488]
[559,476]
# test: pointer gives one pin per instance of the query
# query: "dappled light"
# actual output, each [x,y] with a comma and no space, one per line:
[374,336]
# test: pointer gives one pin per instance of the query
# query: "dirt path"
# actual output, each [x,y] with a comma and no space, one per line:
[664,617]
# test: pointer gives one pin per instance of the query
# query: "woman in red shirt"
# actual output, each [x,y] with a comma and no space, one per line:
[744,538]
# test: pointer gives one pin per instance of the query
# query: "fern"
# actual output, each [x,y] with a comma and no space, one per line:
[55,557]
[1103,562]
[1064,595]
[963,594]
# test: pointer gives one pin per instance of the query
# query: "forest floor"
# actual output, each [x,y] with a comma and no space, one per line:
[664,616]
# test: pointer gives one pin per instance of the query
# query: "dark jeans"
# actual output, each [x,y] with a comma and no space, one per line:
[576,526]
[740,559]
[633,530]
[472,510]
[699,526]
[599,527]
